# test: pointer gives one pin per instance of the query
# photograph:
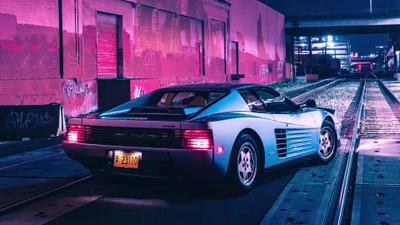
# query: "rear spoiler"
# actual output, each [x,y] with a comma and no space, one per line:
[156,111]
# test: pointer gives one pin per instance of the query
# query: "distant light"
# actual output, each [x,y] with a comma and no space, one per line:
[220,149]
[330,38]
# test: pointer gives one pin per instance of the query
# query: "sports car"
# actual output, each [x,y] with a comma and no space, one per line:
[224,133]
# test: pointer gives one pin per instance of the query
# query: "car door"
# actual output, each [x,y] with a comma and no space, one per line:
[296,133]
[263,123]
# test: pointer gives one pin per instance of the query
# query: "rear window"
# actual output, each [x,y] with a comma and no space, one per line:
[184,98]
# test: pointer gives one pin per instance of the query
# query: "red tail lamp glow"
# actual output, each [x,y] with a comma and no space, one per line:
[73,136]
[197,139]
[220,149]
[76,133]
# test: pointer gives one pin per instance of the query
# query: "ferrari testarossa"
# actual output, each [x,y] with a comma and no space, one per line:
[226,133]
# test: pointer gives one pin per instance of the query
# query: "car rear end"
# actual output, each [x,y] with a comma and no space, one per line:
[146,140]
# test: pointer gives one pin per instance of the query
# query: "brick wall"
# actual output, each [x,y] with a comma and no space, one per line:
[160,43]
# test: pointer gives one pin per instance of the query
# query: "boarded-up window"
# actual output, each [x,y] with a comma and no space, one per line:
[217,47]
[234,57]
[168,44]
[107,44]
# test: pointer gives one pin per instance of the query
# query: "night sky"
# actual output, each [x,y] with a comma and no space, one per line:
[362,43]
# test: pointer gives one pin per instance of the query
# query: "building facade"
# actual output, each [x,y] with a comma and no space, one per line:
[94,54]
[309,50]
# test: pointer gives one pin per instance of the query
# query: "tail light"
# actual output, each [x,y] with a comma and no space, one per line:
[77,134]
[197,139]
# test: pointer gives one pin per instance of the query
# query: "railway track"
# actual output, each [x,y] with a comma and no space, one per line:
[381,113]
[16,170]
[371,183]
[300,93]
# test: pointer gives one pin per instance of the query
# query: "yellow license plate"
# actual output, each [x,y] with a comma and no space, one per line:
[127,159]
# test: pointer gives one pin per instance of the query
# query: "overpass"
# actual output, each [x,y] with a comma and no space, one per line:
[350,22]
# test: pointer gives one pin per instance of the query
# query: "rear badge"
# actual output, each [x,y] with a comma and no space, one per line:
[138,118]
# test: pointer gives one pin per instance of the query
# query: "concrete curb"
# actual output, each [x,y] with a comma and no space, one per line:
[17,147]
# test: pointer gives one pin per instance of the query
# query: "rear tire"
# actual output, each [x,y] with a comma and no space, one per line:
[243,166]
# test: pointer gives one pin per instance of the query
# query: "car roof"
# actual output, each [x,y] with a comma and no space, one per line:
[207,86]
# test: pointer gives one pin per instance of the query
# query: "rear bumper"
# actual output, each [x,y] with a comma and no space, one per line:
[155,163]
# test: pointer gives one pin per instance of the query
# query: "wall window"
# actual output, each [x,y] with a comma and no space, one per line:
[234,57]
[168,44]
[108,52]
[217,47]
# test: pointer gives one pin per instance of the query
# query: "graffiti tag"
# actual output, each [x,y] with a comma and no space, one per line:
[139,91]
[27,120]
[75,88]
[264,69]
[280,69]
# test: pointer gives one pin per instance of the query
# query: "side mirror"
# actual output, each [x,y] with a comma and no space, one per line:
[310,103]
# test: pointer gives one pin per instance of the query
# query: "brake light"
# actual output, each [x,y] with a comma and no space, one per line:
[77,134]
[197,139]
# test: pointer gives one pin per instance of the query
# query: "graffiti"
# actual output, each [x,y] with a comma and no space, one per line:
[27,120]
[139,91]
[75,88]
[264,69]
[167,84]
[280,69]
[189,80]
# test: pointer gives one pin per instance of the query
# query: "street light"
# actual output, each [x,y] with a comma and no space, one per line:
[370,6]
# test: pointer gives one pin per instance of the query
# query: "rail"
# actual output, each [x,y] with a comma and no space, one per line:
[39,196]
[338,219]
[18,203]
[300,96]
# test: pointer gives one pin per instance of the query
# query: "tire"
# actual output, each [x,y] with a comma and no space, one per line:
[327,144]
[243,165]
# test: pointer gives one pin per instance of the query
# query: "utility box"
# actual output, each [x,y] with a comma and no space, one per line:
[112,92]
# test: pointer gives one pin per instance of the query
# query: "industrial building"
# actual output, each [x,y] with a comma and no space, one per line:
[91,55]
